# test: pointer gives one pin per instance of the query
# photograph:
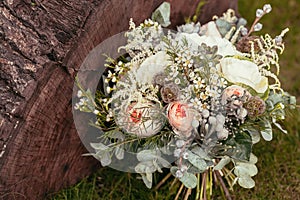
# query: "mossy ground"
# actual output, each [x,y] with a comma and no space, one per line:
[279,160]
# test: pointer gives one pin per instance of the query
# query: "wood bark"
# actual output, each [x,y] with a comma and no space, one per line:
[42,45]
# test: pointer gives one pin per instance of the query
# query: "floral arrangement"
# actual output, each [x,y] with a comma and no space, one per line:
[194,101]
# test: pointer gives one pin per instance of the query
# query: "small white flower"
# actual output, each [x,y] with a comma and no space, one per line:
[267,8]
[108,89]
[177,81]
[258,27]
[114,79]
[259,13]
[244,31]
[109,74]
[192,74]
[76,107]
[278,40]
[96,112]
[79,93]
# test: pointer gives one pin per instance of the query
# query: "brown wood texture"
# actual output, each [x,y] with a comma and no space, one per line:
[42,45]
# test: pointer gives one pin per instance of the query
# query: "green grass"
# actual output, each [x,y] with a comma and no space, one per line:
[279,160]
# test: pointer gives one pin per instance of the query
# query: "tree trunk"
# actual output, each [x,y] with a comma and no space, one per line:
[42,45]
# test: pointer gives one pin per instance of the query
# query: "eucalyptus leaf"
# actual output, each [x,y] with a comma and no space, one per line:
[240,146]
[245,169]
[163,162]
[278,126]
[104,157]
[200,152]
[255,135]
[158,168]
[253,159]
[189,180]
[173,170]
[147,178]
[266,130]
[99,146]
[119,153]
[197,161]
[246,182]
[222,163]
[116,134]
[148,155]
[162,14]
[145,167]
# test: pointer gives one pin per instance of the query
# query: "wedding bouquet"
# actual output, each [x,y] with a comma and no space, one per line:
[194,101]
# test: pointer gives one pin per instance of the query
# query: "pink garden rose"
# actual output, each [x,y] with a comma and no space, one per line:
[234,90]
[180,117]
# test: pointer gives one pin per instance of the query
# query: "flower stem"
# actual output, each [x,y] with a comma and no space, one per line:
[203,187]
[227,194]
[163,181]
[179,192]
[198,187]
[188,193]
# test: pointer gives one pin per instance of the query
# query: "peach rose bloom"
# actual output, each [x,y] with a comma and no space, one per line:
[234,90]
[180,117]
[141,120]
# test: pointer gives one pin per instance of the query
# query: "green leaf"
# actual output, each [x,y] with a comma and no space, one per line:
[104,157]
[245,169]
[189,180]
[147,178]
[222,163]
[147,155]
[119,153]
[145,167]
[162,14]
[200,152]
[197,161]
[240,146]
[278,126]
[246,182]
[255,135]
[253,159]
[266,130]
[99,146]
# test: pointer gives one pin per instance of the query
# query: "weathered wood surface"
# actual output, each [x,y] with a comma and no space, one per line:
[42,45]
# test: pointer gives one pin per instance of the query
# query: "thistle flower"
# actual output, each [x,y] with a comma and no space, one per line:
[255,106]
[244,44]
[170,93]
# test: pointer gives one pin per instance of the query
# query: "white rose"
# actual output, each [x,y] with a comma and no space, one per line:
[151,66]
[211,38]
[244,72]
